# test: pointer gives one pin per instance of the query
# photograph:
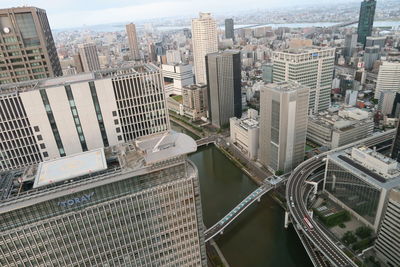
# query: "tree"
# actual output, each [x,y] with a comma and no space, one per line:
[363,232]
[349,238]
[278,172]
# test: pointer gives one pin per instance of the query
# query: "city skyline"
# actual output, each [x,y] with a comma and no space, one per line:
[125,11]
[153,137]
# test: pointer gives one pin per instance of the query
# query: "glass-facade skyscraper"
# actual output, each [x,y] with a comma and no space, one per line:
[224,86]
[366,20]
[229,29]
[27,49]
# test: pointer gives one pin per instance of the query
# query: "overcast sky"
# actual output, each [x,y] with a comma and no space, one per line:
[73,13]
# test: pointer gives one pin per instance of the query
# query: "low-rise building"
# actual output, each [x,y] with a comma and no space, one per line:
[338,128]
[195,101]
[359,180]
[245,133]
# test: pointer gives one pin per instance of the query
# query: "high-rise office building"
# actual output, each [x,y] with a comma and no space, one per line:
[371,55]
[376,40]
[312,67]
[133,42]
[350,44]
[26,45]
[205,41]
[283,125]
[229,29]
[386,245]
[366,20]
[388,77]
[224,86]
[135,204]
[57,117]
[89,57]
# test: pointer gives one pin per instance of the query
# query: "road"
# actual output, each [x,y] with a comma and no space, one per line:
[295,192]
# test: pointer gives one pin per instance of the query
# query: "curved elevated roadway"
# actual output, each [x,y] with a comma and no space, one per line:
[296,190]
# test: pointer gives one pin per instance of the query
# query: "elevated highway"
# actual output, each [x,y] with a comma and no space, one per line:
[296,192]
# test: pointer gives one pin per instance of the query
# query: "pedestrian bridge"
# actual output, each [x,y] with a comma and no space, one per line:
[206,140]
[234,213]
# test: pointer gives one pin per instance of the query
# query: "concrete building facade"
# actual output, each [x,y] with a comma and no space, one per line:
[176,76]
[335,129]
[195,101]
[57,117]
[27,46]
[312,67]
[283,125]
[133,41]
[204,41]
[130,205]
[89,57]
[245,133]
[388,235]
[388,77]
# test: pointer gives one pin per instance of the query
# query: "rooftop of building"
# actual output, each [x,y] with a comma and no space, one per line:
[195,86]
[20,9]
[342,119]
[225,52]
[140,156]
[305,50]
[78,78]
[286,86]
[356,160]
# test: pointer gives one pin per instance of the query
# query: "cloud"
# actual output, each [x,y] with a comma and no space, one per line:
[75,13]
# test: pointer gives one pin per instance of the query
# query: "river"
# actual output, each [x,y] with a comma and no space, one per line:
[257,237]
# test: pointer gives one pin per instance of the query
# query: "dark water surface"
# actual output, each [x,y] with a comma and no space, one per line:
[257,237]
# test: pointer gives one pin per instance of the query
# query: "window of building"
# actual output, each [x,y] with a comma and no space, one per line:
[39,137]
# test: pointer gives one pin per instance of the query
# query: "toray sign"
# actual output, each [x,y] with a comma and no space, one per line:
[77,200]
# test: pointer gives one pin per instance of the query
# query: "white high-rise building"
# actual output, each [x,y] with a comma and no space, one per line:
[310,66]
[47,119]
[89,58]
[388,77]
[283,125]
[205,41]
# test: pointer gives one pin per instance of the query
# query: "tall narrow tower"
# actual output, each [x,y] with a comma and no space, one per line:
[224,86]
[205,41]
[27,44]
[133,43]
[366,20]
[283,125]
[229,32]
